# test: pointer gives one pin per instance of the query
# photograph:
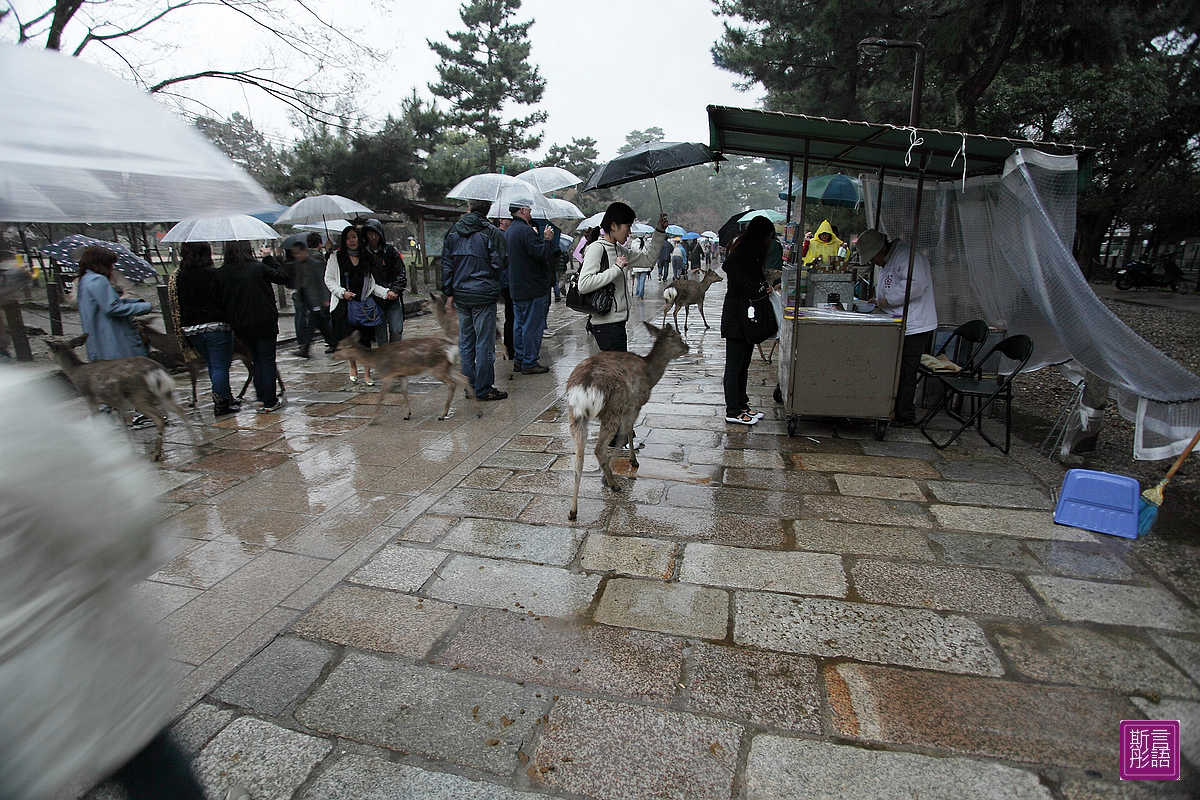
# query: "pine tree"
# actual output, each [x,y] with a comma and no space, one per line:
[488,68]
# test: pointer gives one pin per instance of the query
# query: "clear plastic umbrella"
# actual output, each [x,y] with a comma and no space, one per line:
[321,208]
[710,235]
[81,145]
[564,209]
[487,186]
[591,222]
[330,227]
[69,250]
[231,228]
[641,229]
[522,194]
[547,179]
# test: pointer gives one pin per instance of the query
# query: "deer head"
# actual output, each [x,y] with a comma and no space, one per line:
[668,344]
[711,277]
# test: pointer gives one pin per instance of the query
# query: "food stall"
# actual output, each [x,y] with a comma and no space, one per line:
[837,363]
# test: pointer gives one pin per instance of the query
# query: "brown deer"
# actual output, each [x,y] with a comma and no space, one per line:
[684,293]
[171,356]
[398,361]
[613,387]
[127,384]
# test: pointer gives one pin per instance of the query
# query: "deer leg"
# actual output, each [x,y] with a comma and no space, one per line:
[160,421]
[404,391]
[194,369]
[245,386]
[385,386]
[627,430]
[687,310]
[579,426]
[279,380]
[608,427]
[700,306]
[197,439]
[453,385]
[675,316]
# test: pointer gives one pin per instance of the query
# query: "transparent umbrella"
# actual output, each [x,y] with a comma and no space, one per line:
[231,228]
[330,227]
[547,179]
[320,208]
[487,186]
[564,209]
[522,194]
[69,249]
[591,222]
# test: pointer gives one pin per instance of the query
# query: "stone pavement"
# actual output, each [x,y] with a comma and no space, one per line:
[403,610]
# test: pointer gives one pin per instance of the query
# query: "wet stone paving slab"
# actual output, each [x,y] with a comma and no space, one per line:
[404,610]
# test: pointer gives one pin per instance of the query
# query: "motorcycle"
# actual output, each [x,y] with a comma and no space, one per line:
[1140,274]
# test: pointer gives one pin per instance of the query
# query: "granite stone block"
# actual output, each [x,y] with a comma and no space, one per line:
[765,570]
[1116,604]
[1185,652]
[268,761]
[875,540]
[776,480]
[866,510]
[865,465]
[515,586]
[276,677]
[541,544]
[482,503]
[373,619]
[773,690]
[628,555]
[1081,561]
[1006,522]
[366,778]
[990,494]
[679,608]
[976,550]
[881,487]
[693,525]
[964,589]
[400,568]
[202,722]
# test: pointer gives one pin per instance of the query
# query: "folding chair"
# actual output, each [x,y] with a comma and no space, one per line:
[982,394]
[974,334]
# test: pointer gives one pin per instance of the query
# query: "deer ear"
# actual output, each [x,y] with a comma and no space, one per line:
[653,330]
[78,340]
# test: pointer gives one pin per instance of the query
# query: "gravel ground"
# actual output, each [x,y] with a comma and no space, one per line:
[1040,397]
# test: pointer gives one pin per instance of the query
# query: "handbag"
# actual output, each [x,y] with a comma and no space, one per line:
[599,302]
[760,323]
[363,313]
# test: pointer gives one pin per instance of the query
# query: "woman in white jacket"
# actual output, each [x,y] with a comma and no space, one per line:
[604,262]
[348,277]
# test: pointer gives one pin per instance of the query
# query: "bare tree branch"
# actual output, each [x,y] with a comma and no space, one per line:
[92,36]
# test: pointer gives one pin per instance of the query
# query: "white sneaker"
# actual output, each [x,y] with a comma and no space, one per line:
[755,414]
[743,419]
[546,334]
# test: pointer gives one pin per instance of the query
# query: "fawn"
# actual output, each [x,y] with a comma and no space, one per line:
[684,293]
[171,356]
[140,384]
[436,355]
[613,387]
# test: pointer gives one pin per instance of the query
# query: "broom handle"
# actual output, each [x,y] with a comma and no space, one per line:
[1182,457]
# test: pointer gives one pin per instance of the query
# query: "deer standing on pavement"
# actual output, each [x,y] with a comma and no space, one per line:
[127,384]
[613,387]
[172,356]
[684,293]
[398,361]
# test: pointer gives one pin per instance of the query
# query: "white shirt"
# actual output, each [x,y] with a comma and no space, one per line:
[922,313]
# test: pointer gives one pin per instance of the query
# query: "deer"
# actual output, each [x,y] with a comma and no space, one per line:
[684,293]
[171,356]
[612,387]
[139,384]
[398,361]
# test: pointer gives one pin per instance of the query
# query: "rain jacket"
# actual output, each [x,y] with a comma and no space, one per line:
[818,248]
[249,300]
[592,276]
[106,318]
[310,280]
[531,261]
[388,269]
[473,255]
[889,296]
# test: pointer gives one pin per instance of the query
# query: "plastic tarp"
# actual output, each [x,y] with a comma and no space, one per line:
[78,144]
[1000,250]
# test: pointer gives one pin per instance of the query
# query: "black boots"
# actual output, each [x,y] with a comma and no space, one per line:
[223,406]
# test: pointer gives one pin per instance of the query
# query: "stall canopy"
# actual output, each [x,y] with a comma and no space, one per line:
[999,242]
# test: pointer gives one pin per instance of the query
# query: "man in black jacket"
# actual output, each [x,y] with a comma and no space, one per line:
[310,298]
[388,271]
[471,266]
[530,274]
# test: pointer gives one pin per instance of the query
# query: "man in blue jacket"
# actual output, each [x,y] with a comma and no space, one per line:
[530,275]
[471,266]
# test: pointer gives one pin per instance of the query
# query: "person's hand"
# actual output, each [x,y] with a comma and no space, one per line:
[548,233]
[662,223]
[449,304]
[622,262]
[391,295]
[325,305]
[349,295]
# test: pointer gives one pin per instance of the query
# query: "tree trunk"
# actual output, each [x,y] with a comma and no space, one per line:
[64,10]
[966,98]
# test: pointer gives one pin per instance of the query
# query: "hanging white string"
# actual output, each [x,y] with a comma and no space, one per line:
[914,141]
[962,151]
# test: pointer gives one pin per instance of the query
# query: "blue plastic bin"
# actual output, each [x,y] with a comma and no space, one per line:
[1100,502]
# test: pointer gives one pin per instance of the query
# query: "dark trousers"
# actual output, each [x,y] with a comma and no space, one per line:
[309,320]
[263,370]
[738,353]
[509,316]
[914,346]
[610,337]
[159,772]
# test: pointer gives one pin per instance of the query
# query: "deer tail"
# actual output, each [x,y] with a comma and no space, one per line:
[670,293]
[453,355]
[585,402]
[160,382]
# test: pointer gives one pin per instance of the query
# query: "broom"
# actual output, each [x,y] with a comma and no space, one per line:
[1152,498]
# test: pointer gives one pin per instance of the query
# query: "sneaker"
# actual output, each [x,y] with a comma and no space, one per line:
[546,334]
[331,349]
[755,414]
[743,419]
[536,369]
[302,352]
[267,409]
[494,394]
[141,421]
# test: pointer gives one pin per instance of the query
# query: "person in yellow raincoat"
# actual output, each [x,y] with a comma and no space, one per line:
[825,245]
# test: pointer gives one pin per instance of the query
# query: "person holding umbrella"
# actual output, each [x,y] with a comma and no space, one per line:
[196,292]
[530,272]
[604,262]
[250,305]
[744,265]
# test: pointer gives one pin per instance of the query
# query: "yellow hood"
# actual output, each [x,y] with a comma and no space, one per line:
[825,250]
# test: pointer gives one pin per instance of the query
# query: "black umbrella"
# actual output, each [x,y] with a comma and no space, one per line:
[727,232]
[649,161]
[68,250]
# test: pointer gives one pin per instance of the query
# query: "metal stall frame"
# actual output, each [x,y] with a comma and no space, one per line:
[848,144]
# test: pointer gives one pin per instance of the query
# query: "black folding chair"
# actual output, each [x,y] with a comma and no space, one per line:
[973,334]
[982,393]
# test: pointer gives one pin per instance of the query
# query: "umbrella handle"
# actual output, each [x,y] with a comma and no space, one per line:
[656,194]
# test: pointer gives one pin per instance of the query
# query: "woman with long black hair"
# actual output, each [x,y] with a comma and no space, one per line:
[199,319]
[250,306]
[744,267]
[348,277]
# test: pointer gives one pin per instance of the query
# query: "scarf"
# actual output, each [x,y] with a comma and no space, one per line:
[173,321]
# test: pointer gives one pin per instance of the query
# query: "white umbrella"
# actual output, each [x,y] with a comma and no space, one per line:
[81,145]
[320,208]
[641,229]
[710,235]
[330,227]
[231,228]
[547,179]
[563,209]
[591,222]
[487,186]
[521,193]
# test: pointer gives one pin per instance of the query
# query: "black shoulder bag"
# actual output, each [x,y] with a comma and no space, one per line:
[760,323]
[599,302]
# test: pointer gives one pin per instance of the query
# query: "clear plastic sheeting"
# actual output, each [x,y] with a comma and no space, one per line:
[80,145]
[1000,250]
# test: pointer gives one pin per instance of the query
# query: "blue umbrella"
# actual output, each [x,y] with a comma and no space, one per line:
[675,230]
[689,236]
[830,190]
[268,214]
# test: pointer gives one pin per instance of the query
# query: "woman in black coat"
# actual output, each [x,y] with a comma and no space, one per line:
[744,267]
[250,308]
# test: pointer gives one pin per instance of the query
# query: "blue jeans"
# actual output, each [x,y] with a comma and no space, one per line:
[640,291]
[393,323]
[477,345]
[527,330]
[263,371]
[216,348]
